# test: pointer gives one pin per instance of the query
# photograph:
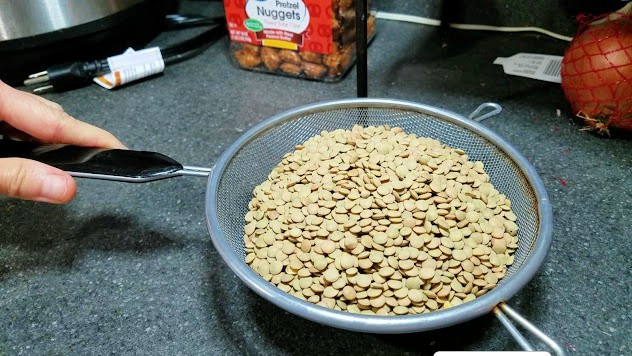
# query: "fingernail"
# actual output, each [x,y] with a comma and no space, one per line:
[54,188]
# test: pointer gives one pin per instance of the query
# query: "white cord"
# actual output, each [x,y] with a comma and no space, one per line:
[510,29]
[407,18]
[461,26]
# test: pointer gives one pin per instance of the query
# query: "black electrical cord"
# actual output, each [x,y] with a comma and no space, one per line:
[193,46]
[68,76]
[177,21]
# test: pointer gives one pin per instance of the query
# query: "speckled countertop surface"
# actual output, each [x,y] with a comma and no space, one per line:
[131,268]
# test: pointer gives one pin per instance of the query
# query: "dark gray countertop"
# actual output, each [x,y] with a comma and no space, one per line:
[131,269]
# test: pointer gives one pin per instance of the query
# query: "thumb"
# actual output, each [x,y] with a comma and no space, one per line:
[31,180]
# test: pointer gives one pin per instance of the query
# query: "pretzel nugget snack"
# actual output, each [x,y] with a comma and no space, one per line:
[310,39]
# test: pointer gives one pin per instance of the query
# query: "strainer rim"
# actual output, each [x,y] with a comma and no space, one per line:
[383,324]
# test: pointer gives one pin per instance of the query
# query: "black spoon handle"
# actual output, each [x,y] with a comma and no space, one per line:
[98,163]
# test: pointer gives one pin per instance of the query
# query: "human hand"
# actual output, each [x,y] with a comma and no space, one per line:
[29,116]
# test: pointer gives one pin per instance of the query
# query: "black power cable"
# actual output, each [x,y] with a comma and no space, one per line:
[193,46]
[68,76]
[177,21]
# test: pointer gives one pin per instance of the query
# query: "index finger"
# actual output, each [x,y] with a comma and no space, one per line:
[49,123]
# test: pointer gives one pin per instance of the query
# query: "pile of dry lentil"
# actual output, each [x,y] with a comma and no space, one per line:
[377,221]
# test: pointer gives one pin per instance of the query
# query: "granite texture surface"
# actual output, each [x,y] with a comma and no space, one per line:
[130,269]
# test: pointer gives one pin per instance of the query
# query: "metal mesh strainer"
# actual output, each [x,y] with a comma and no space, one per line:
[249,160]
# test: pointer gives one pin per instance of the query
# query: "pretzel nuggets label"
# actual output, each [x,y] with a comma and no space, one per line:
[303,25]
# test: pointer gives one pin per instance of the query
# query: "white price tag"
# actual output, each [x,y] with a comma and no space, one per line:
[532,65]
[131,65]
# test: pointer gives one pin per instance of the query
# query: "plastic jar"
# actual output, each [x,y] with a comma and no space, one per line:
[311,39]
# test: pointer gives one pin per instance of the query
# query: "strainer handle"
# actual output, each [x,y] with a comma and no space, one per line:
[99,163]
[494,108]
[503,312]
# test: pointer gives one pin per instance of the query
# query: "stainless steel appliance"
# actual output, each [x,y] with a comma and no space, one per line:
[35,34]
